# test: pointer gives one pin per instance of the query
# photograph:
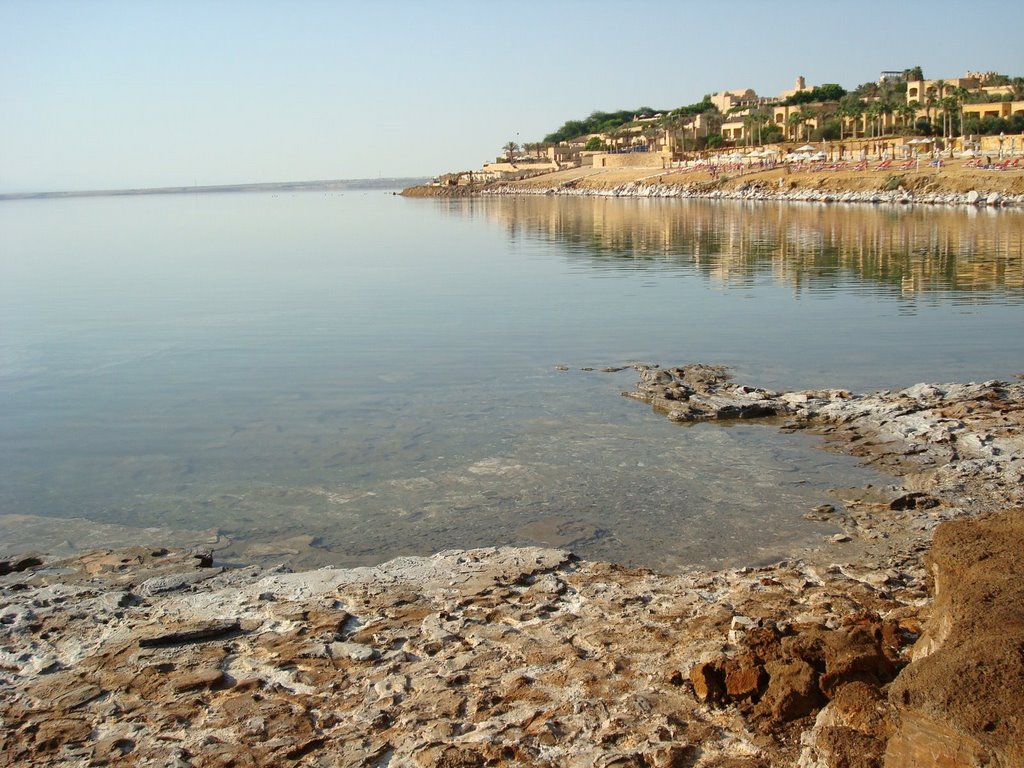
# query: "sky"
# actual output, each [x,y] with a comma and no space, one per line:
[111,94]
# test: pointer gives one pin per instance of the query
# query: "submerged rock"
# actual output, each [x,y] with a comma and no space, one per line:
[530,656]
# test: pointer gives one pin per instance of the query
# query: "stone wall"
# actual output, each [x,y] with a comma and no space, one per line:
[629,160]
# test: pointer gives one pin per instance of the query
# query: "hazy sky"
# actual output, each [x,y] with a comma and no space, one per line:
[109,94]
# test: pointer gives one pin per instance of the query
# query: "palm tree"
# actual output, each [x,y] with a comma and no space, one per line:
[510,150]
[842,113]
[651,134]
[856,111]
[931,98]
[960,94]
[907,113]
[1017,83]
[872,116]
[792,122]
[885,109]
[712,120]
[753,121]
[949,106]
[806,115]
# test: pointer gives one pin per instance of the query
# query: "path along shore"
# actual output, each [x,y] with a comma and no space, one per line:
[955,182]
[881,647]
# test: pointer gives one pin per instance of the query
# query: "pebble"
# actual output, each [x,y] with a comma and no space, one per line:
[894,197]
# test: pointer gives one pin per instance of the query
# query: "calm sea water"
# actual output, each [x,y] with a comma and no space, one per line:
[342,378]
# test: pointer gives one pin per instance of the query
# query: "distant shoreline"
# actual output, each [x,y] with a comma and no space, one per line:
[272,186]
[954,183]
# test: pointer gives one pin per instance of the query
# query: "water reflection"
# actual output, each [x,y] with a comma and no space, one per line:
[897,251]
[343,379]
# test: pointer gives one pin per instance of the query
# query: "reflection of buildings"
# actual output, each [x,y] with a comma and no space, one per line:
[812,247]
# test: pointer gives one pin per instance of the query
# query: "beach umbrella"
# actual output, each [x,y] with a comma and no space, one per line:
[805,148]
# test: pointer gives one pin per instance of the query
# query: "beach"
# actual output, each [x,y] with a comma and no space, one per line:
[875,647]
[954,182]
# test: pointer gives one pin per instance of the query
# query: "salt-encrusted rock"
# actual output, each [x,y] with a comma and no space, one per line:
[527,656]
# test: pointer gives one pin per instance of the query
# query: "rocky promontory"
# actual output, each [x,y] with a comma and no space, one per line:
[872,650]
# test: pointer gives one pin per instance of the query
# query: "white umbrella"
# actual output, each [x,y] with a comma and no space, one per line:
[805,148]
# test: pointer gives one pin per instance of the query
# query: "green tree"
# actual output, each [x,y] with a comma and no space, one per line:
[805,115]
[885,109]
[510,148]
[651,134]
[594,144]
[792,122]
[851,108]
[907,112]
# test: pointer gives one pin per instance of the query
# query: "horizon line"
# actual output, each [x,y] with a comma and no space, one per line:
[207,188]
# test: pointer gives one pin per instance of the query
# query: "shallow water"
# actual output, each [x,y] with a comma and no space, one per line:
[342,378]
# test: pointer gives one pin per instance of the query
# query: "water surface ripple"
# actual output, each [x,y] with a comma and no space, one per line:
[325,378]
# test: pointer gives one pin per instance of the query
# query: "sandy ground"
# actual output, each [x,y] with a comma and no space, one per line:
[953,176]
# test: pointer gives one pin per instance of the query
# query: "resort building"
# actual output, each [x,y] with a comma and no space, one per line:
[1003,109]
[801,85]
[975,82]
[728,100]
[799,121]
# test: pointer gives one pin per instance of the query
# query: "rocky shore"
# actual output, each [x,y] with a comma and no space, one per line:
[955,183]
[758,192]
[880,648]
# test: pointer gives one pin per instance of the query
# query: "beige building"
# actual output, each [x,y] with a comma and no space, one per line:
[1003,109]
[726,100]
[801,85]
[799,121]
[976,82]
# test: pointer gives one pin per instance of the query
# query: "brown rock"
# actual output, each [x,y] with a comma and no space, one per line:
[855,654]
[204,678]
[671,756]
[792,691]
[708,682]
[744,677]
[954,703]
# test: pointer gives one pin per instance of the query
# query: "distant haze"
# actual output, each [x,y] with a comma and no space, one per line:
[108,95]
